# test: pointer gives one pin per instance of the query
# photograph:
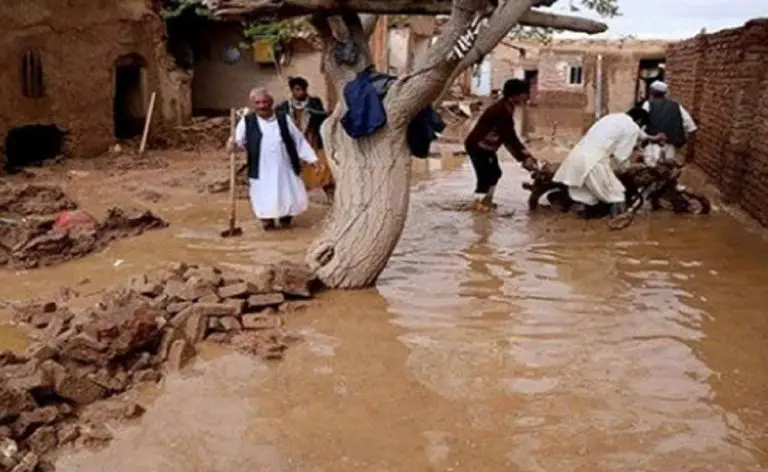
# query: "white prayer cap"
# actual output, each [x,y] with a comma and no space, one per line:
[659,86]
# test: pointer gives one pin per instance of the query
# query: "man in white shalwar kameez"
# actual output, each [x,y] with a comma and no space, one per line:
[274,146]
[587,171]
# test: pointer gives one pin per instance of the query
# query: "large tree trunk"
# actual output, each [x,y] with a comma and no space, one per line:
[369,209]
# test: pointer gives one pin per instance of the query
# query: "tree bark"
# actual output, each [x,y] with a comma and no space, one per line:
[372,175]
[369,209]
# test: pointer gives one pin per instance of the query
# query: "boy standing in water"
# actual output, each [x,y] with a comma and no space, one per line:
[495,127]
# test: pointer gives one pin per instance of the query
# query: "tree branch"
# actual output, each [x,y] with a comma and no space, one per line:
[253,9]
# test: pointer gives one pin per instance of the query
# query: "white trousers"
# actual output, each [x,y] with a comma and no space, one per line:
[601,185]
[654,153]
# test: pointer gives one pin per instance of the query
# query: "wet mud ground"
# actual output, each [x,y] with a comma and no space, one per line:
[507,342]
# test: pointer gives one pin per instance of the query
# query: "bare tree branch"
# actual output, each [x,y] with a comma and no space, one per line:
[238,9]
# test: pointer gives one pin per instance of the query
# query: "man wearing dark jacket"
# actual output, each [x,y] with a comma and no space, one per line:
[495,127]
[668,117]
[308,113]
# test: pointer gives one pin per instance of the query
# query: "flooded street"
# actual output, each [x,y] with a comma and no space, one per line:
[508,342]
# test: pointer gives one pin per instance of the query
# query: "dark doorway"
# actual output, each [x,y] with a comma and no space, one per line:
[532,77]
[129,107]
[31,145]
[649,71]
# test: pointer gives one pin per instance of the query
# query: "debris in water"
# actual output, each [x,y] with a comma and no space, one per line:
[80,374]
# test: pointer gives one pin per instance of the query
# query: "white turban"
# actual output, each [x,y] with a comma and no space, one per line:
[659,86]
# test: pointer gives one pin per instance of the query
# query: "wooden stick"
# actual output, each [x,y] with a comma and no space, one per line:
[232,177]
[147,121]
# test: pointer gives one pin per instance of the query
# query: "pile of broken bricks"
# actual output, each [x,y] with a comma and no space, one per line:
[90,357]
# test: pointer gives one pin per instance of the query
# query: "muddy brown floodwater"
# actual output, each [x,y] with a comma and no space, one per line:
[513,342]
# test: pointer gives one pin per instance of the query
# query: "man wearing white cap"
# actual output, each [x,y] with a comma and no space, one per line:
[668,117]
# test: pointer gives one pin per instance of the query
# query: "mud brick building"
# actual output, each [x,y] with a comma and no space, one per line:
[566,94]
[84,67]
[722,78]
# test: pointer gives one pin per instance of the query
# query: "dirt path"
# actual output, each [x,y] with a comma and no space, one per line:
[507,342]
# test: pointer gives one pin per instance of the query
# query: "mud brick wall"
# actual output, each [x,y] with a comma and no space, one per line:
[721,79]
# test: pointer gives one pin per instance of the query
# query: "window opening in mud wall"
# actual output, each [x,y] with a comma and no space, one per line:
[129,98]
[575,75]
[32,75]
[31,145]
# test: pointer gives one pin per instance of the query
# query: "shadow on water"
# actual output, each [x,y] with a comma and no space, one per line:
[520,343]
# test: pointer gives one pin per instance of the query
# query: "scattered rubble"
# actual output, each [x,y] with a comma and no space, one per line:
[84,369]
[222,185]
[33,199]
[200,133]
[44,240]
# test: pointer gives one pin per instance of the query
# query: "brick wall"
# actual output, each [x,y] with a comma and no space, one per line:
[721,79]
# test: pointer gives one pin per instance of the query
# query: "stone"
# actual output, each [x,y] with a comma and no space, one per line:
[230,323]
[258,322]
[143,361]
[111,383]
[28,421]
[27,463]
[195,328]
[13,401]
[170,334]
[43,440]
[150,289]
[26,310]
[220,337]
[194,320]
[177,307]
[98,432]
[178,268]
[196,288]
[214,324]
[42,319]
[5,432]
[265,300]
[293,279]
[101,330]
[57,326]
[133,410]
[238,304]
[210,298]
[38,383]
[65,409]
[209,275]
[262,279]
[8,447]
[41,351]
[46,465]
[146,375]
[139,331]
[180,354]
[67,433]
[293,306]
[160,302]
[84,348]
[174,288]
[237,290]
[76,388]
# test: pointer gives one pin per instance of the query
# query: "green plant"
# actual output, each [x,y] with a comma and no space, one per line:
[175,8]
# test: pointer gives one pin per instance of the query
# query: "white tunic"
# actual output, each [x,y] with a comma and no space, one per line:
[278,191]
[587,170]
[655,153]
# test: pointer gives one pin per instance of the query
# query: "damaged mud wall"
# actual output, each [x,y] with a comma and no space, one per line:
[722,79]
[62,66]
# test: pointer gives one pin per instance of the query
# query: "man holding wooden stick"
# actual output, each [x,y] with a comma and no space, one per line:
[275,149]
